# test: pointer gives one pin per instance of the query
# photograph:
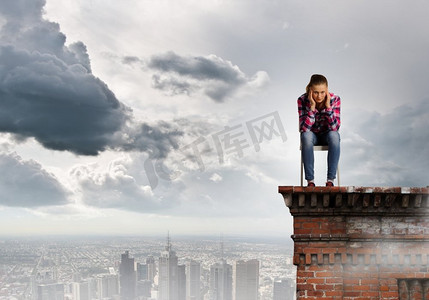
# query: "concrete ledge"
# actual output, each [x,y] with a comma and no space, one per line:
[356,200]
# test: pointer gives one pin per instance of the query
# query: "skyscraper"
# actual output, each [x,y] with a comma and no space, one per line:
[144,288]
[54,291]
[84,290]
[151,268]
[284,289]
[181,278]
[220,281]
[141,272]
[127,277]
[168,281]
[193,273]
[107,286]
[246,280]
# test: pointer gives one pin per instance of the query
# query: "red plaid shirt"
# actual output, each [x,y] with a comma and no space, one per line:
[327,119]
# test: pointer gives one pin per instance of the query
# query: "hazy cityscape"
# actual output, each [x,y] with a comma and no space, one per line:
[146,268]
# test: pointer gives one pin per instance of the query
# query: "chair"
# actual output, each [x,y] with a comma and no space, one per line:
[317,148]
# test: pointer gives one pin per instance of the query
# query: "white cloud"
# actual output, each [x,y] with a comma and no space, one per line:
[216,177]
[114,188]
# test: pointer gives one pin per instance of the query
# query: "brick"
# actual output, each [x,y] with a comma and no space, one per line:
[334,280]
[312,250]
[324,274]
[302,231]
[352,294]
[370,281]
[323,287]
[334,293]
[307,274]
[316,280]
[361,288]
[296,259]
[351,281]
[321,231]
[389,295]
[310,225]
[384,288]
[370,294]
[304,286]
[301,219]
[317,293]
[308,259]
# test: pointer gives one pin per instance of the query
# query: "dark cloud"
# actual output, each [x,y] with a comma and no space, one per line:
[23,11]
[201,68]
[156,141]
[129,60]
[174,86]
[216,78]
[27,184]
[389,149]
[47,91]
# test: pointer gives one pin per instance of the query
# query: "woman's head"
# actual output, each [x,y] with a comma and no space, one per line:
[319,85]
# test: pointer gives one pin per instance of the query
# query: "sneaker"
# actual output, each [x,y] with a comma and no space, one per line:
[329,183]
[311,184]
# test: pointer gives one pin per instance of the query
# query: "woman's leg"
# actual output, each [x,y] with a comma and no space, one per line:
[333,141]
[308,140]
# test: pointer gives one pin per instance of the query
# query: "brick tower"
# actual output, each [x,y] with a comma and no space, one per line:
[360,242]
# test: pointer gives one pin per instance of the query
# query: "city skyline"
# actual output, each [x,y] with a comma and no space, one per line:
[107,267]
[138,117]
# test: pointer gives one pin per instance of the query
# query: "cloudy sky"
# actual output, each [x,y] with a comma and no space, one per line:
[144,116]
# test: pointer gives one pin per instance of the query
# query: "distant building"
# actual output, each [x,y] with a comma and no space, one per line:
[53,291]
[193,282]
[107,286]
[141,272]
[84,290]
[151,268]
[144,289]
[127,277]
[168,281]
[284,290]
[181,278]
[220,281]
[246,280]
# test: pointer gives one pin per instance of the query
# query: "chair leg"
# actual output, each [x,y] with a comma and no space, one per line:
[338,174]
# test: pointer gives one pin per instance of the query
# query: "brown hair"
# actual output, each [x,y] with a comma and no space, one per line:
[316,79]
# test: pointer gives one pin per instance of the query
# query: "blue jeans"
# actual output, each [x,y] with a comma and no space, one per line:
[310,139]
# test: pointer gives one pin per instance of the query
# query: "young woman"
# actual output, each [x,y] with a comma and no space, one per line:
[319,122]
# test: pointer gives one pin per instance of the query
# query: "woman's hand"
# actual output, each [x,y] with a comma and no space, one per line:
[312,102]
[328,99]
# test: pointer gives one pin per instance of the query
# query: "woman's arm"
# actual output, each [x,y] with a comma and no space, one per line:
[306,114]
[333,113]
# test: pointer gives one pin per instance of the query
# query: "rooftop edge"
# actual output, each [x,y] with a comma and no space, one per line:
[356,200]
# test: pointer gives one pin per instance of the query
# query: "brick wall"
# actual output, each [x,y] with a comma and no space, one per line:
[360,243]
